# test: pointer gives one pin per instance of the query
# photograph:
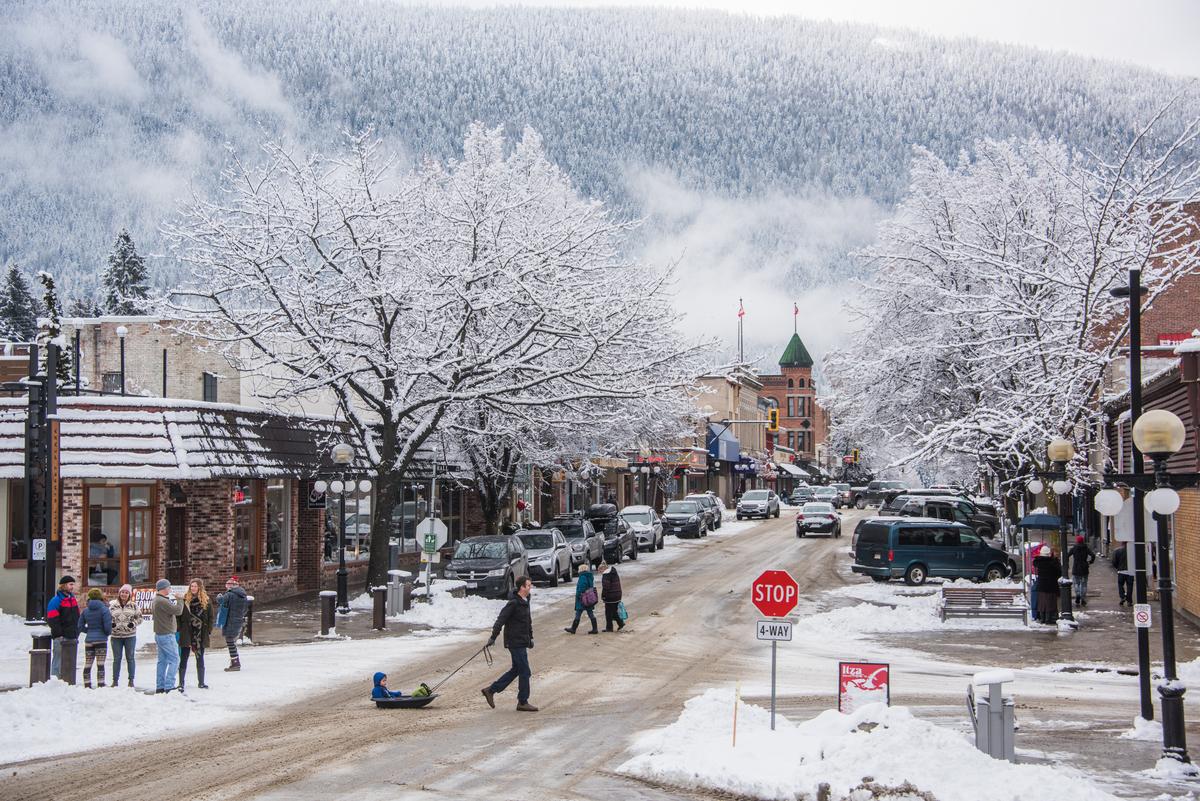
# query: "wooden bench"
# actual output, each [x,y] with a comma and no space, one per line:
[984,602]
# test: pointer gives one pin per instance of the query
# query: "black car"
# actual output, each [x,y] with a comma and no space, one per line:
[712,509]
[619,541]
[587,545]
[943,507]
[685,519]
[489,565]
[801,495]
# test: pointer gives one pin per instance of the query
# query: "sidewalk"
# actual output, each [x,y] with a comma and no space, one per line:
[298,620]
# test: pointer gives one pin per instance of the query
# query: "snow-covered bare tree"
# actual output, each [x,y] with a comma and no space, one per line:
[126,281]
[407,296]
[988,327]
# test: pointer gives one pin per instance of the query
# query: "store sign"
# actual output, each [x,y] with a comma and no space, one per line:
[144,599]
[313,499]
[1174,339]
[862,683]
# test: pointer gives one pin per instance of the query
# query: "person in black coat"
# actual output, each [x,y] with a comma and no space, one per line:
[1048,574]
[517,624]
[1081,560]
[610,593]
[1120,563]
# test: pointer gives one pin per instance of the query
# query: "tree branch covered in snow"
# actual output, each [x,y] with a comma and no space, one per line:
[989,324]
[483,283]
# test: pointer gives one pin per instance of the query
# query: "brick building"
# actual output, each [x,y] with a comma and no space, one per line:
[803,424]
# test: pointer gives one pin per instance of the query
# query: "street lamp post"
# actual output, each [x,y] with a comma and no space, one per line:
[122,332]
[343,456]
[1060,452]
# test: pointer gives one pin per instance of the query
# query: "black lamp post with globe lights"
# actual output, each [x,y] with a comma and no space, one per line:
[1159,434]
[1060,452]
[341,486]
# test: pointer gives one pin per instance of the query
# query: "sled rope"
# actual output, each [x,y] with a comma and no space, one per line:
[487,657]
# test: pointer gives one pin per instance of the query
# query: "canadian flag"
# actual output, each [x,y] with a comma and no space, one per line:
[741,308]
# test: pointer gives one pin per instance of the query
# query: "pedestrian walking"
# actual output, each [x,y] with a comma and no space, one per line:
[1048,572]
[1082,558]
[125,620]
[1120,563]
[195,630]
[230,618]
[586,599]
[96,624]
[517,623]
[610,593]
[165,612]
[62,616]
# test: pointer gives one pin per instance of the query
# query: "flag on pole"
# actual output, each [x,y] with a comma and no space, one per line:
[795,309]
[741,308]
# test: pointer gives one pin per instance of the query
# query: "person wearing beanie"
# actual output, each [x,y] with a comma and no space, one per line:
[62,616]
[125,620]
[164,612]
[231,615]
[1081,559]
[1048,573]
[96,623]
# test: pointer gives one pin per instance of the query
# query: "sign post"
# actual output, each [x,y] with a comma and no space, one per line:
[434,535]
[774,594]
[1141,616]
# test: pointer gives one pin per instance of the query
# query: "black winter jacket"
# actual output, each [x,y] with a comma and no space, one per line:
[517,623]
[1048,573]
[1081,558]
[610,587]
[1120,559]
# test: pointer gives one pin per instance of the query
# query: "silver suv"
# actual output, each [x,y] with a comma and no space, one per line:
[758,503]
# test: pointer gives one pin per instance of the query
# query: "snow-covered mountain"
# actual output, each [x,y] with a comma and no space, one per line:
[768,143]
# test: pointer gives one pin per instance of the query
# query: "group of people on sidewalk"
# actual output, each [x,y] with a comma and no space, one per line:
[182,629]
[516,622]
[1048,574]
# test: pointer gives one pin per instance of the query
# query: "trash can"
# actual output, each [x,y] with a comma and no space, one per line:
[994,716]
[399,592]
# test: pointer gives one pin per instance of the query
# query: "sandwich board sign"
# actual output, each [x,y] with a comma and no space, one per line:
[862,683]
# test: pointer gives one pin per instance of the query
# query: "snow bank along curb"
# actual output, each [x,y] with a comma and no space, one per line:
[886,744]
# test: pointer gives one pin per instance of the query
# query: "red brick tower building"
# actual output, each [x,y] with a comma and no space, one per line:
[802,422]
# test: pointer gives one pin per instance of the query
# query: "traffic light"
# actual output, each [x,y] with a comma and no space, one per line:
[772,421]
[854,454]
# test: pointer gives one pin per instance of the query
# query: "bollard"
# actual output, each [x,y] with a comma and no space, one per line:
[995,723]
[406,597]
[328,599]
[248,626]
[379,611]
[39,657]
[66,667]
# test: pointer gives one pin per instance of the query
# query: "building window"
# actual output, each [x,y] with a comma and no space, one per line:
[791,407]
[358,525]
[791,440]
[18,547]
[210,388]
[111,382]
[247,514]
[800,383]
[119,521]
[791,383]
[278,549]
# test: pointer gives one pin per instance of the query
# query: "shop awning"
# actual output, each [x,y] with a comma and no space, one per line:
[792,470]
[722,444]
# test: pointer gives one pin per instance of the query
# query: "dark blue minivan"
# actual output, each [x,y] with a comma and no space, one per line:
[915,548]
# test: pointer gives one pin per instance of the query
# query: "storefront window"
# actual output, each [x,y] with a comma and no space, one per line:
[357,517]
[119,521]
[247,511]
[279,524]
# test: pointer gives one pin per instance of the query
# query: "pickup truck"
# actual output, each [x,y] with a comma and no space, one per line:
[875,493]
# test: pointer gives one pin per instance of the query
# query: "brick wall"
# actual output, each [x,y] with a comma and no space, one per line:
[1187,552]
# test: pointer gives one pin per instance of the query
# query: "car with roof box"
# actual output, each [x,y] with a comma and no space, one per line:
[917,548]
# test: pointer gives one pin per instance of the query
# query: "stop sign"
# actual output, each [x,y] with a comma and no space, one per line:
[774,593]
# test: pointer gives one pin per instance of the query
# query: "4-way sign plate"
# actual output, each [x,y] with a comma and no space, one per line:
[778,630]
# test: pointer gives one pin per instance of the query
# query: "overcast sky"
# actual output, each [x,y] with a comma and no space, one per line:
[1161,34]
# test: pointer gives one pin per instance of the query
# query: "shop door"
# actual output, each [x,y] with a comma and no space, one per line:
[176,544]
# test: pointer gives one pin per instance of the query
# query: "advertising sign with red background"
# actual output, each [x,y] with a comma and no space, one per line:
[862,683]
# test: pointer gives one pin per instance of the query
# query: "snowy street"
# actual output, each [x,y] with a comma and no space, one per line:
[690,631]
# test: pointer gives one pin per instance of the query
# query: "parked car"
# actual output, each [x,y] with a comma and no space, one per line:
[619,541]
[943,507]
[801,495]
[710,507]
[758,503]
[647,526]
[818,518]
[827,495]
[598,514]
[717,500]
[875,493]
[587,545]
[685,519]
[548,555]
[915,548]
[489,564]
[845,494]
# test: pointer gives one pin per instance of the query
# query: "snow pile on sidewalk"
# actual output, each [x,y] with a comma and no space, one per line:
[1143,729]
[883,746]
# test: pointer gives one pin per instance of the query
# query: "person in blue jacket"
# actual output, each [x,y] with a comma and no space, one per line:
[585,583]
[96,622]
[380,689]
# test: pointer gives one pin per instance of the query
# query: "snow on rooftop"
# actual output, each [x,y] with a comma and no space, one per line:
[1191,345]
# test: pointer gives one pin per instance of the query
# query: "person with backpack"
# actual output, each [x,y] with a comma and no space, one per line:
[195,630]
[1082,558]
[96,623]
[230,617]
[1120,563]
[125,620]
[1048,573]
[610,593]
[586,599]
[62,616]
